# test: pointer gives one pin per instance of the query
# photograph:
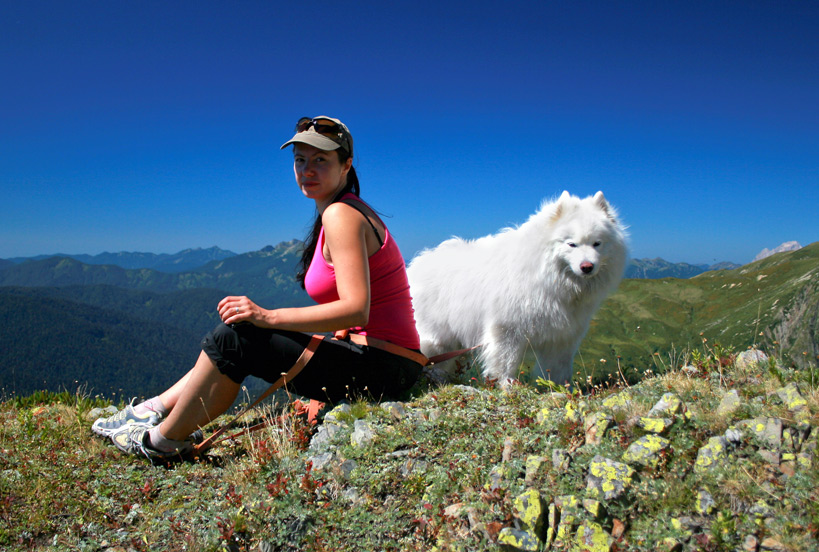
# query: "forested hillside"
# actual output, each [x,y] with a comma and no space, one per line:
[110,330]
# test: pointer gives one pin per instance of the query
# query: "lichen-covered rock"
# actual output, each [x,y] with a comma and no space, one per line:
[595,508]
[796,404]
[681,526]
[767,432]
[705,502]
[529,509]
[592,537]
[645,450]
[561,459]
[552,521]
[596,424]
[557,399]
[573,412]
[791,397]
[498,477]
[669,405]
[97,413]
[608,479]
[618,401]
[655,425]
[761,509]
[729,403]
[570,512]
[321,461]
[517,539]
[750,543]
[712,454]
[534,465]
[543,416]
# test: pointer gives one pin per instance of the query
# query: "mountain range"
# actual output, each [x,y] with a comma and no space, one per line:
[126,331]
[195,259]
[188,259]
[660,268]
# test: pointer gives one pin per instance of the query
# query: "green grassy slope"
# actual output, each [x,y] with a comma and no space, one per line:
[647,322]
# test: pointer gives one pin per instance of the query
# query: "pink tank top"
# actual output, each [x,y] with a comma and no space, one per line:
[392,317]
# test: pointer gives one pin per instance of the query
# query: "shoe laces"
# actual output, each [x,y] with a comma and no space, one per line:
[119,415]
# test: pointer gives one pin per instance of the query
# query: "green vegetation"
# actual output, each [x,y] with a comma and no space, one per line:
[652,324]
[455,468]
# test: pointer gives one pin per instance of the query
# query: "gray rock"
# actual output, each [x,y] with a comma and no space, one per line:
[750,359]
[335,415]
[325,436]
[705,502]
[730,402]
[411,466]
[561,459]
[321,461]
[396,409]
[362,435]
[733,435]
[346,468]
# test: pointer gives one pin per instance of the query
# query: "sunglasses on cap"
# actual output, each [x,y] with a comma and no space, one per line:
[325,127]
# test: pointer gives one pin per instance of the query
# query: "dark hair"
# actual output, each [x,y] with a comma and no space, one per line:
[310,243]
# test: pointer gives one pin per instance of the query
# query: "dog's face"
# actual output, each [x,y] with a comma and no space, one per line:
[584,233]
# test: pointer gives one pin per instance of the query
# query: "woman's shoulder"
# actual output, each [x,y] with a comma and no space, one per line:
[340,217]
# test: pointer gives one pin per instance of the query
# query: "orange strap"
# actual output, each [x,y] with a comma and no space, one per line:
[398,350]
[383,345]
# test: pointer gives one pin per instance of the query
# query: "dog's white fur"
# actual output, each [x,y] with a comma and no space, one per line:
[532,287]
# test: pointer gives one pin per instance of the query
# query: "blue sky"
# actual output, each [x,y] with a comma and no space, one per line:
[156,126]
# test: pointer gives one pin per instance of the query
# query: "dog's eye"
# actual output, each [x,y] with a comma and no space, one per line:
[571,244]
[596,244]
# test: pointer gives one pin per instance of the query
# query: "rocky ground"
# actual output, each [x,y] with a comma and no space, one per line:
[720,455]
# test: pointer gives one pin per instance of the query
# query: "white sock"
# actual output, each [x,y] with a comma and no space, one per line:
[154,404]
[159,442]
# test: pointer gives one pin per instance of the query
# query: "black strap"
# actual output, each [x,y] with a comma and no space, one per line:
[353,203]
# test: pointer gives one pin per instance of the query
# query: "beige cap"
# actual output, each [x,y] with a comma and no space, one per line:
[338,137]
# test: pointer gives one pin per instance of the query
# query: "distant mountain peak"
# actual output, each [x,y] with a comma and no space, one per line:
[787,246]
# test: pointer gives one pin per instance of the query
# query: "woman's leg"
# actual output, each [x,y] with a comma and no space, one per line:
[171,395]
[205,394]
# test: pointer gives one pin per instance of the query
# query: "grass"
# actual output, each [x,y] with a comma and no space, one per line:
[444,476]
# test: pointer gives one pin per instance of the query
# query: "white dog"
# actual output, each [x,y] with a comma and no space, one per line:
[532,287]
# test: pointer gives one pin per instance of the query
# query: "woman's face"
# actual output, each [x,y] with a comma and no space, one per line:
[319,173]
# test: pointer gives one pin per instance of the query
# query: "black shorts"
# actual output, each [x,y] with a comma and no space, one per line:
[339,369]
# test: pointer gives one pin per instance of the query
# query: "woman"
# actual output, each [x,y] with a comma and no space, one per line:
[354,271]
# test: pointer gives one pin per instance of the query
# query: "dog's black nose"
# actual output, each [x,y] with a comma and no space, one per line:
[586,268]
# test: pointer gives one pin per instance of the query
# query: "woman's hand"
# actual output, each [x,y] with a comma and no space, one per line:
[233,310]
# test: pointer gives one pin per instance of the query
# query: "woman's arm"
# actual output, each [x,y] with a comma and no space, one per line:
[345,238]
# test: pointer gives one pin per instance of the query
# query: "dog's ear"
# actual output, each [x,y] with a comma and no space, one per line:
[601,202]
[561,206]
